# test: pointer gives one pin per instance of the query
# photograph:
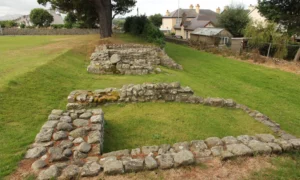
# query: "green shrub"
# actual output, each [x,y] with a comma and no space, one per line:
[58,26]
[8,24]
[22,26]
[141,26]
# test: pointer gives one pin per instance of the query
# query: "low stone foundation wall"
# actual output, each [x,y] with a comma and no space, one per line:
[129,59]
[16,31]
[68,138]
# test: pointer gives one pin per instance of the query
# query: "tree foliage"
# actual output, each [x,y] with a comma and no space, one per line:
[156,19]
[261,33]
[41,17]
[284,12]
[234,19]
[8,24]
[91,12]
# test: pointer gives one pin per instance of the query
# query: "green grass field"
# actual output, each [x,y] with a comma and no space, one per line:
[29,95]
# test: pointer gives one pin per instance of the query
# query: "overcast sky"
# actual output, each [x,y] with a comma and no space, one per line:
[147,7]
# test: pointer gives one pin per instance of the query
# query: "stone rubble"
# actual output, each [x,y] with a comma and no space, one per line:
[129,59]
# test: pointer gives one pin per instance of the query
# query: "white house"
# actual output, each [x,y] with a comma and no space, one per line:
[57,19]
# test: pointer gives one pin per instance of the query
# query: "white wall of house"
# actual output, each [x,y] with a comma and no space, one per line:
[255,16]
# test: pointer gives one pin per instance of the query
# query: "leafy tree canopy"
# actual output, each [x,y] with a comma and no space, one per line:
[284,12]
[234,19]
[156,19]
[41,17]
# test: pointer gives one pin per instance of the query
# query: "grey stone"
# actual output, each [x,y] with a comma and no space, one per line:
[149,149]
[96,127]
[102,161]
[115,58]
[50,173]
[56,154]
[92,158]
[135,151]
[97,119]
[63,126]
[295,143]
[217,150]
[150,163]
[94,137]
[225,155]
[213,141]
[163,149]
[96,149]
[45,144]
[97,112]
[86,115]
[181,146]
[183,158]
[35,152]
[91,168]
[60,135]
[79,155]
[67,152]
[125,152]
[79,132]
[45,135]
[73,116]
[203,154]
[61,166]
[49,124]
[245,139]
[286,136]
[53,117]
[275,147]
[239,149]
[165,161]
[66,119]
[70,173]
[113,167]
[66,144]
[38,164]
[265,137]
[80,122]
[84,147]
[259,147]
[230,140]
[57,112]
[198,145]
[285,145]
[134,165]
[78,140]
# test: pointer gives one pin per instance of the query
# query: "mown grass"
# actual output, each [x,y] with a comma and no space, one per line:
[27,99]
[136,125]
[284,167]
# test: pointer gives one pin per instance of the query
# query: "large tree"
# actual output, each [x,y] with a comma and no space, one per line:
[235,18]
[156,19]
[102,11]
[283,12]
[41,17]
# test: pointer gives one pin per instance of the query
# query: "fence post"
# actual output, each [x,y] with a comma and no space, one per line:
[1,32]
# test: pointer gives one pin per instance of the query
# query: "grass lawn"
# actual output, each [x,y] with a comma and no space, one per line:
[28,96]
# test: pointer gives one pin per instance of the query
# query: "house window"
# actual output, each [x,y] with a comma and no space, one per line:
[224,40]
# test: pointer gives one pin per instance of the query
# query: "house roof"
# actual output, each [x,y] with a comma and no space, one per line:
[207,31]
[191,13]
[193,24]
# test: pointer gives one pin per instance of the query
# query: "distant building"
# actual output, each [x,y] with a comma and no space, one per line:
[25,19]
[211,36]
[194,18]
[255,15]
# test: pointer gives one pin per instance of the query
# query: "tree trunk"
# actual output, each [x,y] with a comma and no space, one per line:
[104,11]
[297,57]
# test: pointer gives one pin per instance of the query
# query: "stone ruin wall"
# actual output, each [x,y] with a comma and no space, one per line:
[70,143]
[129,59]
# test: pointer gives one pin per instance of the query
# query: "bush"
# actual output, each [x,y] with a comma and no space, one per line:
[8,24]
[22,26]
[58,26]
[41,17]
[141,26]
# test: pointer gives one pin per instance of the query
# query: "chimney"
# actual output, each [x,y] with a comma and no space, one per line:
[191,6]
[218,10]
[198,9]
[168,13]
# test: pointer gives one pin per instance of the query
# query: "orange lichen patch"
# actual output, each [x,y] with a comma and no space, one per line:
[108,97]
